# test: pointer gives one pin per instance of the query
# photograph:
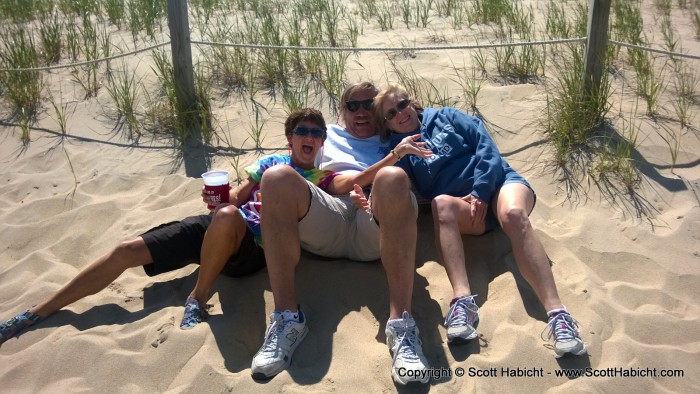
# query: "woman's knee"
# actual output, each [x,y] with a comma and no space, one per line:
[132,253]
[514,218]
[444,208]
[227,215]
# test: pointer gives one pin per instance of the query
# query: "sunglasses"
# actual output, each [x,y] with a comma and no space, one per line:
[316,132]
[353,106]
[402,105]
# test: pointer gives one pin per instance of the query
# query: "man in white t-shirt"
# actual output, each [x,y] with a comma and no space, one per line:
[297,216]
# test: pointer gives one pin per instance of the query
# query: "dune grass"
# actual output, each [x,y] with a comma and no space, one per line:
[43,32]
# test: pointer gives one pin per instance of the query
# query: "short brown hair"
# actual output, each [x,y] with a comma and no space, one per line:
[303,115]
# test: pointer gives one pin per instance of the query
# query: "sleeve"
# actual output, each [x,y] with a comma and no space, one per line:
[256,169]
[488,170]
[326,179]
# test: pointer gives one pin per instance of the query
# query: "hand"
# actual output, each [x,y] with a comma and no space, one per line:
[207,198]
[479,208]
[358,198]
[411,146]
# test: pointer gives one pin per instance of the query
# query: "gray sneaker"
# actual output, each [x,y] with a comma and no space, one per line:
[461,320]
[564,329]
[281,339]
[410,366]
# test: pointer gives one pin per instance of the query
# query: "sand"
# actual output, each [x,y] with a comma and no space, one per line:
[627,266]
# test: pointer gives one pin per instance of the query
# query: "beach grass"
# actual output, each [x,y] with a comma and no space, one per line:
[46,32]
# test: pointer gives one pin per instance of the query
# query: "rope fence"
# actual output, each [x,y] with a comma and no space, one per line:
[356,49]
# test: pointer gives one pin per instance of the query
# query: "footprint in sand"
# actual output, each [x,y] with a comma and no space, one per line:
[163,332]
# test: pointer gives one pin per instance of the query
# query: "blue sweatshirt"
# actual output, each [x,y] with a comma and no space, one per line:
[465,159]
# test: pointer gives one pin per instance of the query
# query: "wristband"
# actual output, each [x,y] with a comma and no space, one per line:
[396,154]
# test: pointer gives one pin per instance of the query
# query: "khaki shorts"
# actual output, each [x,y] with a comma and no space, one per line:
[335,228]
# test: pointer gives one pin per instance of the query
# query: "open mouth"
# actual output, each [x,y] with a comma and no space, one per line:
[307,148]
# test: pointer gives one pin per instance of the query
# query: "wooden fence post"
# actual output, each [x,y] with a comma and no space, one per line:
[183,72]
[596,43]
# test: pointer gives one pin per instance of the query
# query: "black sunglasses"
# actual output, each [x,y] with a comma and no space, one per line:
[315,132]
[402,105]
[353,106]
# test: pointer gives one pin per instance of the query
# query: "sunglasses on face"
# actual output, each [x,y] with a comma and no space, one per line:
[353,106]
[316,132]
[402,105]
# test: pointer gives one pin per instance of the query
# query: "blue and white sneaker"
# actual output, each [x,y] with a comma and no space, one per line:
[195,313]
[12,327]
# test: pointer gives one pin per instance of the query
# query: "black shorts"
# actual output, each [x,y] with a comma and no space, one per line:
[176,244]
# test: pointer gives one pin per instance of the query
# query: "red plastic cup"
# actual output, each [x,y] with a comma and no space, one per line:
[216,187]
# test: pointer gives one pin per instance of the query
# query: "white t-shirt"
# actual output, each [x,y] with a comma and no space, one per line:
[344,153]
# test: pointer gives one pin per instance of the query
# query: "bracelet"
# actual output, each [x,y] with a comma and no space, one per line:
[396,154]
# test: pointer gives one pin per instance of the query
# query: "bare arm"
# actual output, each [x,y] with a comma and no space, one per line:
[342,184]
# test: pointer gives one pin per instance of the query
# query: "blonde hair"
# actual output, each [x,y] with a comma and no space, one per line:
[395,90]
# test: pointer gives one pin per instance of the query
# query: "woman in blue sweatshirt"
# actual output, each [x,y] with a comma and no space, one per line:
[472,189]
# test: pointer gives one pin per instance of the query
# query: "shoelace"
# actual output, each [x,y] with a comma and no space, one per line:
[407,342]
[562,326]
[467,305]
[276,327]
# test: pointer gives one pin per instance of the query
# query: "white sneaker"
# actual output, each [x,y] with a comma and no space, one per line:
[281,339]
[410,366]
[461,320]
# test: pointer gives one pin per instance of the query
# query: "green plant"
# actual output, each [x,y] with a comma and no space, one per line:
[650,85]
[115,12]
[423,12]
[295,96]
[469,83]
[405,7]
[573,114]
[22,87]
[72,40]
[385,18]
[203,87]
[60,112]
[333,76]
[50,28]
[123,89]
[256,127]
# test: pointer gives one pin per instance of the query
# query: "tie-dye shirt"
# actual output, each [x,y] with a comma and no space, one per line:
[251,210]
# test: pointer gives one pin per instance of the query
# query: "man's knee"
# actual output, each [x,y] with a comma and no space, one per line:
[391,188]
[392,178]
[283,178]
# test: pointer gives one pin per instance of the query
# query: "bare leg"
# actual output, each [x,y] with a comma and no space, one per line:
[287,200]
[451,219]
[513,205]
[392,207]
[97,275]
[222,240]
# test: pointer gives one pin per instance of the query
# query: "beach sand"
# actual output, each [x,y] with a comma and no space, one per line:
[627,265]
